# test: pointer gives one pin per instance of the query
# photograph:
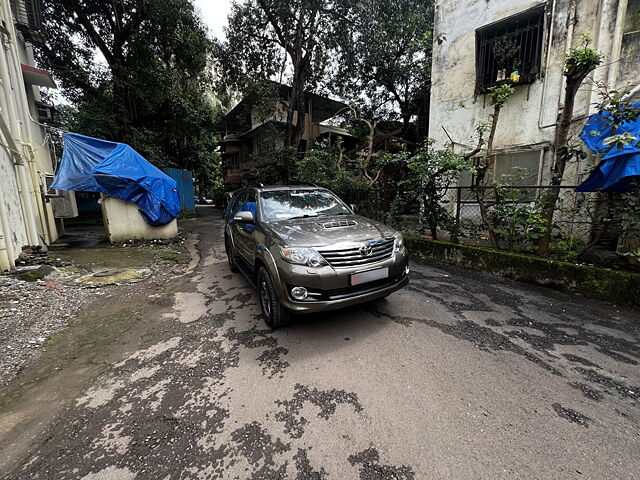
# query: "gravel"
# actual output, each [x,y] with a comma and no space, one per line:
[32,311]
[29,313]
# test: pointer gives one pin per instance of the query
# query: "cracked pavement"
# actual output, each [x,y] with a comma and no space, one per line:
[460,375]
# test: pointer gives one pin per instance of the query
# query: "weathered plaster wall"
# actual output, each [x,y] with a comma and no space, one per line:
[9,194]
[123,222]
[454,104]
[529,117]
[29,217]
[527,122]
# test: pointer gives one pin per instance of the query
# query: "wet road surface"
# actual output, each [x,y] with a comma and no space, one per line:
[460,375]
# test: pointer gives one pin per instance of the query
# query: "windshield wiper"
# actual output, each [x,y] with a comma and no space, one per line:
[301,216]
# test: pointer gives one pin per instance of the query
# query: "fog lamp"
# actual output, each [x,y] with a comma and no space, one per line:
[299,293]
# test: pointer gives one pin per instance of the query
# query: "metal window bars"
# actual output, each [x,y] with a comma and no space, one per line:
[513,44]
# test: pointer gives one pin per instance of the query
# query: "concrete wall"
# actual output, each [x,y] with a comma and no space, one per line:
[529,117]
[527,122]
[26,218]
[123,221]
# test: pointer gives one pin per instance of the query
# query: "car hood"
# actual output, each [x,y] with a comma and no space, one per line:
[322,231]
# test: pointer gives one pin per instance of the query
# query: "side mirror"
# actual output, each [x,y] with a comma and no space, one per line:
[353,207]
[244,217]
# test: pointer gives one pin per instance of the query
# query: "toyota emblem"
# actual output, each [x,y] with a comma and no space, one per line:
[366,250]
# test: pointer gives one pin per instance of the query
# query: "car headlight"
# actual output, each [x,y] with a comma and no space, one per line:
[302,256]
[398,242]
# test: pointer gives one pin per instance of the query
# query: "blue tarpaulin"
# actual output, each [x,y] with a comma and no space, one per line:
[619,170]
[92,165]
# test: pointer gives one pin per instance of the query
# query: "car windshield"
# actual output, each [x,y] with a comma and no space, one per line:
[287,204]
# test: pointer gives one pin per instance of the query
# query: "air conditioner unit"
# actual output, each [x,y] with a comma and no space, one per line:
[27,15]
[65,206]
[45,184]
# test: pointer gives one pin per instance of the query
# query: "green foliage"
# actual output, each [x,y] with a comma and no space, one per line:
[582,59]
[516,219]
[617,109]
[506,52]
[567,247]
[292,41]
[623,209]
[276,167]
[136,72]
[518,224]
[394,217]
[499,95]
[386,55]
[431,173]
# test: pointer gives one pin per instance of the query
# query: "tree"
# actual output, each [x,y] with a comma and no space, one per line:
[387,57]
[579,63]
[75,29]
[267,39]
[498,97]
[433,171]
[136,72]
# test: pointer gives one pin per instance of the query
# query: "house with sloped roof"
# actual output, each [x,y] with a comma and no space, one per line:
[252,130]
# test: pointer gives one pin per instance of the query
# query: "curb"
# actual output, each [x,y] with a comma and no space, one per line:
[598,283]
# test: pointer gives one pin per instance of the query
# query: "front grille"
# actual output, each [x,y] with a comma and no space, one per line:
[347,257]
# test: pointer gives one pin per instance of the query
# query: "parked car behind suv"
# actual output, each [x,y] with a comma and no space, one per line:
[307,251]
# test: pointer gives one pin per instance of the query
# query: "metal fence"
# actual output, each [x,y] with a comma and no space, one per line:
[184,179]
[580,220]
[577,215]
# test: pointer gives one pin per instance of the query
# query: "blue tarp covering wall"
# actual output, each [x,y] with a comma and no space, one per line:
[184,179]
[619,170]
[92,165]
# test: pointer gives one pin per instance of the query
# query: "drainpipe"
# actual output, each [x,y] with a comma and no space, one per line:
[632,92]
[27,150]
[546,66]
[31,158]
[19,166]
[571,20]
[616,47]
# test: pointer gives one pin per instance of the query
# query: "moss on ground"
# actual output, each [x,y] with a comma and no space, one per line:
[173,256]
[593,282]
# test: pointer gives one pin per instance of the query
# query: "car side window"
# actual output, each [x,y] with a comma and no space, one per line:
[236,203]
[248,203]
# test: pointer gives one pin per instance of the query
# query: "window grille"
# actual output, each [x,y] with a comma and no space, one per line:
[513,45]
[27,15]
[233,159]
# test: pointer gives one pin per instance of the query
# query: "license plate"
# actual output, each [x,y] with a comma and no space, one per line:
[370,276]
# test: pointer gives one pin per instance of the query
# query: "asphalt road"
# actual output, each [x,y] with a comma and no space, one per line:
[460,375]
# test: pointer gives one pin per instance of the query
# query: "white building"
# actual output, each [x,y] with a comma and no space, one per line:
[536,35]
[28,210]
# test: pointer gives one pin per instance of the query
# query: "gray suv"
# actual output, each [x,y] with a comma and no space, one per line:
[306,251]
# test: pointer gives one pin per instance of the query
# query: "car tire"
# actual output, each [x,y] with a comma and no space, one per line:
[274,314]
[231,257]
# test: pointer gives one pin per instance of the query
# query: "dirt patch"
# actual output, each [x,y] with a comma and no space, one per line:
[50,289]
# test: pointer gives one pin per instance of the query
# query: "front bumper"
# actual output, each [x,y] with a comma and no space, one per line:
[329,288]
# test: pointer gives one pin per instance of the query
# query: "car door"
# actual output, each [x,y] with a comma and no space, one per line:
[244,233]
[232,225]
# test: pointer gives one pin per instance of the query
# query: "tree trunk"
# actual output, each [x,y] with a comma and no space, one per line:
[561,155]
[480,191]
[120,103]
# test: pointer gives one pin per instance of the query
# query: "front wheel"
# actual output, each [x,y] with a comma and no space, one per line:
[272,310]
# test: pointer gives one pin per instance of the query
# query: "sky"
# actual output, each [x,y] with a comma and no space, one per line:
[214,13]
